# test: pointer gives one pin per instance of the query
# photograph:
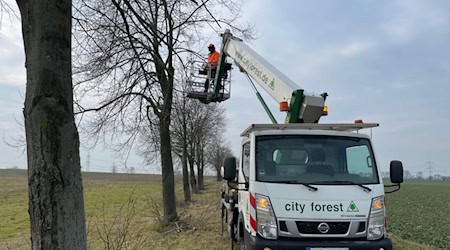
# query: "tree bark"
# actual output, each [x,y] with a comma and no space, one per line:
[218,176]
[168,177]
[192,179]
[200,166]
[56,205]
[186,188]
[218,165]
[201,185]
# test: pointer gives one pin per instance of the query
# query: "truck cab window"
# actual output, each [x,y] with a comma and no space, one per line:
[246,160]
[314,159]
[359,161]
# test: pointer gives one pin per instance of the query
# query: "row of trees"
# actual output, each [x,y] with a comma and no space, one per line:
[421,176]
[407,175]
[197,133]
[129,58]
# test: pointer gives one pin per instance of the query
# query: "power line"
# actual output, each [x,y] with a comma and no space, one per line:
[429,168]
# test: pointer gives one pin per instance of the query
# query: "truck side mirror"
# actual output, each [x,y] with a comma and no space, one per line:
[396,172]
[229,168]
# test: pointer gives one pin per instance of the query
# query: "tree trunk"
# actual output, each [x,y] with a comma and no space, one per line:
[56,205]
[168,177]
[186,189]
[218,176]
[217,164]
[201,185]
[192,179]
[165,75]
[200,166]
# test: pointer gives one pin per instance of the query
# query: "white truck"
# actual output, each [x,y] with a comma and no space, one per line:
[309,186]
[300,185]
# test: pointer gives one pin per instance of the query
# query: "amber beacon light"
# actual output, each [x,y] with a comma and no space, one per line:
[284,106]
[325,110]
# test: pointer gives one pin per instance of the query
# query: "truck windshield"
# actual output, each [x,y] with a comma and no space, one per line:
[314,159]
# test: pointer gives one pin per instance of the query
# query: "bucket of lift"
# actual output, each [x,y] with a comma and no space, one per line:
[201,84]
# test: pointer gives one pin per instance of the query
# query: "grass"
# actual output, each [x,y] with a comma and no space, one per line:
[118,203]
[13,205]
[420,212]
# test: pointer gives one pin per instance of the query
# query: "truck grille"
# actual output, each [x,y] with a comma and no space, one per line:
[309,227]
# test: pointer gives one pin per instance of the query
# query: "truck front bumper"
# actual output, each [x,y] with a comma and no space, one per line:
[287,244]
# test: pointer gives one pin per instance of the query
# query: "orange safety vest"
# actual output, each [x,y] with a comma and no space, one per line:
[213,58]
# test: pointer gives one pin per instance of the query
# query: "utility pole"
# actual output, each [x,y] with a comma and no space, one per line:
[429,168]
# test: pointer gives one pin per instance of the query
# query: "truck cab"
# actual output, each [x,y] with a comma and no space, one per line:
[309,186]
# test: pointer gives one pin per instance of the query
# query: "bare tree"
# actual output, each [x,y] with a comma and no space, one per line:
[114,168]
[407,174]
[180,137]
[7,10]
[56,205]
[215,128]
[195,126]
[218,150]
[202,124]
[419,175]
[130,51]
[211,122]
[437,177]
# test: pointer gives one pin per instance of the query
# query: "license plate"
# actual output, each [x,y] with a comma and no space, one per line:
[327,248]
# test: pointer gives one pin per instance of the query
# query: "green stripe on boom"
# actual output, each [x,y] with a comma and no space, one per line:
[295,106]
[219,73]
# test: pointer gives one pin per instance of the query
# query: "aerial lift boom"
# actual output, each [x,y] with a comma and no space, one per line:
[300,106]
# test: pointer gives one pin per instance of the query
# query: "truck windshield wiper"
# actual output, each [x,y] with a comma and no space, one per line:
[311,188]
[354,183]
[345,182]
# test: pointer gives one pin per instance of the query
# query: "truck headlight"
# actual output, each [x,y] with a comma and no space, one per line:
[265,217]
[375,228]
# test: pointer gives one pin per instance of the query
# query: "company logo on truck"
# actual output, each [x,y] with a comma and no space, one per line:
[314,207]
[320,207]
[255,68]
[352,207]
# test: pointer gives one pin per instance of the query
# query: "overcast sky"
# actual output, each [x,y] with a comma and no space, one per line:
[380,61]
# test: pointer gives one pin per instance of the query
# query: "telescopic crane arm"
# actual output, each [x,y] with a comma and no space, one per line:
[300,107]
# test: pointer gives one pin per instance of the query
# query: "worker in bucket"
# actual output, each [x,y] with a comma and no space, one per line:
[213,60]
